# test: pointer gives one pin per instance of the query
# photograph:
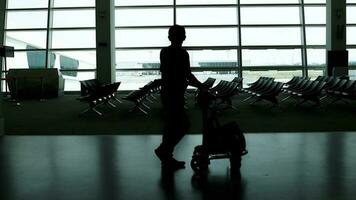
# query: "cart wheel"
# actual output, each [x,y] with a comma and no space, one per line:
[200,160]
[199,164]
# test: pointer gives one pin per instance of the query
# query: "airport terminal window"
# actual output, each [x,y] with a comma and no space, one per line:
[137,59]
[269,1]
[72,33]
[350,31]
[26,19]
[211,37]
[316,57]
[207,16]
[73,39]
[315,35]
[19,39]
[315,31]
[270,15]
[271,36]
[314,1]
[271,57]
[142,2]
[205,2]
[225,58]
[11,4]
[143,16]
[143,37]
[73,18]
[315,14]
[141,26]
[76,3]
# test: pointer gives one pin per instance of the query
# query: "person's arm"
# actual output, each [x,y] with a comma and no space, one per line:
[163,62]
[192,80]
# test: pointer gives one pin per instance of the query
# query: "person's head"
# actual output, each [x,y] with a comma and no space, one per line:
[176,34]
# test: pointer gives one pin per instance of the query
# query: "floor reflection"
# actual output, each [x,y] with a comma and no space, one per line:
[229,186]
[289,166]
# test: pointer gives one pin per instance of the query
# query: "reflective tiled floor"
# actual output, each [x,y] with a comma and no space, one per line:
[279,166]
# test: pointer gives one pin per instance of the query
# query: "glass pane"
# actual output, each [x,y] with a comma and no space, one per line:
[73,39]
[314,1]
[29,59]
[143,17]
[226,75]
[316,57]
[350,31]
[270,15]
[73,18]
[271,57]
[198,58]
[211,37]
[198,2]
[141,38]
[268,1]
[351,14]
[315,15]
[213,58]
[313,73]
[352,56]
[76,3]
[137,58]
[142,2]
[315,35]
[206,16]
[133,80]
[74,60]
[73,84]
[21,39]
[279,75]
[26,19]
[352,74]
[271,36]
[27,3]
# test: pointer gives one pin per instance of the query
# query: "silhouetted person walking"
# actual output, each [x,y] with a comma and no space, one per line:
[176,75]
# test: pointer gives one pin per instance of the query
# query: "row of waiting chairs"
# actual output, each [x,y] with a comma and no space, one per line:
[305,89]
[144,94]
[265,88]
[95,94]
[340,89]
[223,90]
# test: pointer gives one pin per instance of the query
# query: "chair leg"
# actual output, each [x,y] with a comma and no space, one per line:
[285,98]
[117,99]
[142,110]
[247,98]
[91,109]
[146,106]
[111,104]
[256,100]
[323,97]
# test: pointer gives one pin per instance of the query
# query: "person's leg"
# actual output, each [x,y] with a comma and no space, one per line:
[176,124]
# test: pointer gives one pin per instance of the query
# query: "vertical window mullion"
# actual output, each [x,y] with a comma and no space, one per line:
[303,39]
[49,32]
[174,12]
[239,49]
